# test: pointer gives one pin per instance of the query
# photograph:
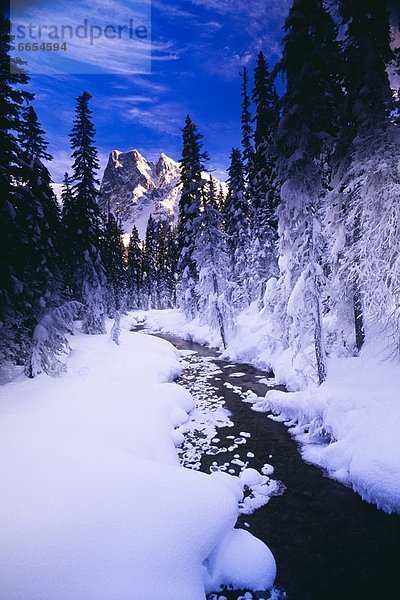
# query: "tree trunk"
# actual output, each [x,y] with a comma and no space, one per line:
[358,320]
[319,347]
[219,314]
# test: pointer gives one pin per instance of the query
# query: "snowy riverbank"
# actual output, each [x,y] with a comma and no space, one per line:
[349,426]
[97,505]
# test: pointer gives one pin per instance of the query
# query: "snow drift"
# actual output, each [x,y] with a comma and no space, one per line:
[95,504]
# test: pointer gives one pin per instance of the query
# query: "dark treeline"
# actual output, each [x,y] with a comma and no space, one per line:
[308,228]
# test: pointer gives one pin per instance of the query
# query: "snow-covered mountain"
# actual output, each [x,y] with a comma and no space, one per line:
[134,187]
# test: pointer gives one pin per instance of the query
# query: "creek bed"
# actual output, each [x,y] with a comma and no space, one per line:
[328,543]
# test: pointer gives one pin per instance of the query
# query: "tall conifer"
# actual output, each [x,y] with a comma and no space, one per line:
[366,176]
[81,221]
[192,164]
[237,228]
[210,254]
[13,305]
[134,271]
[306,132]
[247,135]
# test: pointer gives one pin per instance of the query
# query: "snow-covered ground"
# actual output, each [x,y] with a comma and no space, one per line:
[94,503]
[349,425]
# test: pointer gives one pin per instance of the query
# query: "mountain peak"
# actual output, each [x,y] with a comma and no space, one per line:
[165,158]
[136,154]
[134,188]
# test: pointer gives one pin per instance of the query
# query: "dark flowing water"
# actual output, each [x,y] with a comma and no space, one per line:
[328,543]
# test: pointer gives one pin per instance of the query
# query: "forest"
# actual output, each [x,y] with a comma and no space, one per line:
[309,227]
[148,379]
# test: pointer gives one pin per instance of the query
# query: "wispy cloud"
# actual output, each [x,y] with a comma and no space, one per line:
[168,9]
[142,83]
[100,36]
[163,117]
[124,101]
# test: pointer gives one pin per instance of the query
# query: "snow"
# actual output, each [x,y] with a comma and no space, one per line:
[250,477]
[227,558]
[94,502]
[173,321]
[349,426]
[139,187]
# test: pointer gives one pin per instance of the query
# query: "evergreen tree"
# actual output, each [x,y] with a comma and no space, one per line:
[67,200]
[50,341]
[150,264]
[113,261]
[166,265]
[39,220]
[266,116]
[134,271]
[81,221]
[171,266]
[211,258]
[305,135]
[161,259]
[66,190]
[192,164]
[13,305]
[221,199]
[366,176]
[265,186]
[30,137]
[247,134]
[237,229]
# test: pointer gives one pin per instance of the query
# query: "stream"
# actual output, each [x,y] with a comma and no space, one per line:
[328,543]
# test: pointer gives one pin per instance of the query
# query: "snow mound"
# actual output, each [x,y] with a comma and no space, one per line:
[94,502]
[225,565]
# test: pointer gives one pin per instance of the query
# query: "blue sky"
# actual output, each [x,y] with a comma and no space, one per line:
[198,49]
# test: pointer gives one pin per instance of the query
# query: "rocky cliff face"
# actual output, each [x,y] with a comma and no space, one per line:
[133,188]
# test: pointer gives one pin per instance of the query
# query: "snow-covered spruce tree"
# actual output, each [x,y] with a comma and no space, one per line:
[82,223]
[395,67]
[366,192]
[305,134]
[134,271]
[14,338]
[247,134]
[50,341]
[237,229]
[67,199]
[150,265]
[165,264]
[39,218]
[265,193]
[171,265]
[210,254]
[221,199]
[191,166]
[114,266]
[161,258]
